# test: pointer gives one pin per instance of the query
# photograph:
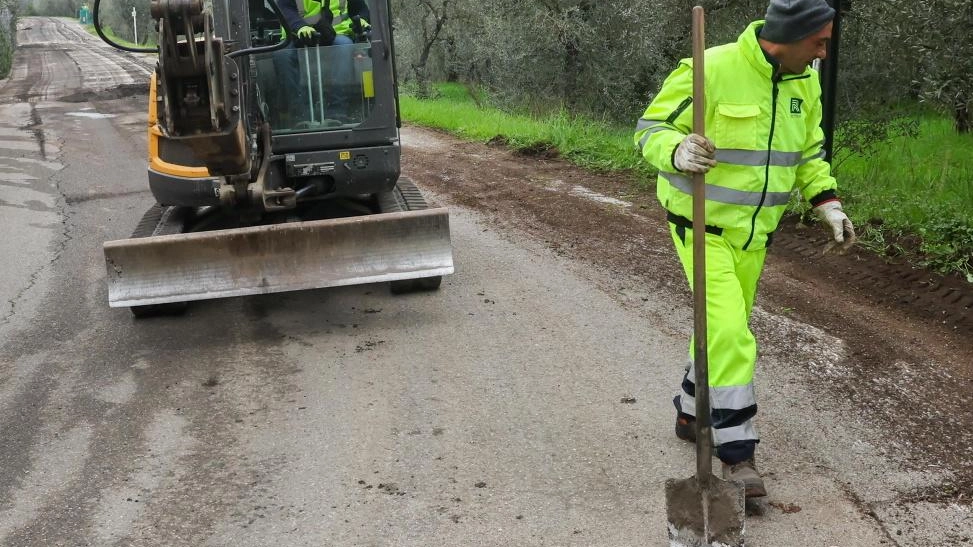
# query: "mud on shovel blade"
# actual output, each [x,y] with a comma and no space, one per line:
[706,513]
[702,510]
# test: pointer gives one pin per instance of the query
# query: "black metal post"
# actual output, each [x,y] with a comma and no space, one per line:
[829,81]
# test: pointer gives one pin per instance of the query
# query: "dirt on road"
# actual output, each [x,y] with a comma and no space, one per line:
[890,314]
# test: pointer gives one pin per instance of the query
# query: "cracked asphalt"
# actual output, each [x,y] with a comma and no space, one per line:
[525,403]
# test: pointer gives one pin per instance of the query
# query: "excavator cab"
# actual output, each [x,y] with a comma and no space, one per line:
[275,165]
[318,88]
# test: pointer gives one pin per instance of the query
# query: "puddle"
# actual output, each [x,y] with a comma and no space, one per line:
[118,92]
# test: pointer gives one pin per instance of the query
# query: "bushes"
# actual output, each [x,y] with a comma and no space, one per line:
[8,35]
[607,59]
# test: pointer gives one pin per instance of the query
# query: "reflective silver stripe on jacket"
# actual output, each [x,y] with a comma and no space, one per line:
[758,158]
[653,126]
[311,20]
[727,195]
[342,13]
[819,155]
[645,124]
[325,5]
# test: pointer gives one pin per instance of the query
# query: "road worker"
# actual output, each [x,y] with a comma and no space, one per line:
[764,139]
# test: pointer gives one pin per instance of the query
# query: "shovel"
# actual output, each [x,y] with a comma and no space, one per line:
[702,510]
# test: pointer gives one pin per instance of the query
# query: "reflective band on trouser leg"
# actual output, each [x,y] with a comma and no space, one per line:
[731,286]
[687,397]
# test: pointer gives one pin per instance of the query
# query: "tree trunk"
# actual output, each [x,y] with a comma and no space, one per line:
[572,66]
[961,116]
[572,58]
[429,39]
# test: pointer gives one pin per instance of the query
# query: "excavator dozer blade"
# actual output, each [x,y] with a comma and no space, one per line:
[279,257]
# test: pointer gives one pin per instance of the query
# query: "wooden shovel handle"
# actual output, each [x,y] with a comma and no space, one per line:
[704,448]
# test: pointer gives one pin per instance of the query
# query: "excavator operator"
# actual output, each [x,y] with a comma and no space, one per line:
[327,23]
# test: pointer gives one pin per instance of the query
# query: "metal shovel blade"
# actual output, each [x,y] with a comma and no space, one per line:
[705,515]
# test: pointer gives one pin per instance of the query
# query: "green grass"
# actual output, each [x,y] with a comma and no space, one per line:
[916,187]
[593,144]
[911,197]
[150,43]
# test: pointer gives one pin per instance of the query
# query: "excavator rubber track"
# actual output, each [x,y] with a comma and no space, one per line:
[407,197]
[160,220]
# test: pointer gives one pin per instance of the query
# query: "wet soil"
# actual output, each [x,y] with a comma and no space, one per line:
[909,331]
[118,92]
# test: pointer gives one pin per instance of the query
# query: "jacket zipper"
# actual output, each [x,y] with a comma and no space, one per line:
[770,146]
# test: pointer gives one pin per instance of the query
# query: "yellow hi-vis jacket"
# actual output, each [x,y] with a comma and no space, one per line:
[310,10]
[768,137]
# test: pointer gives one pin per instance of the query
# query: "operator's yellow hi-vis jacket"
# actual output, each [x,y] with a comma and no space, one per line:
[310,10]
[768,137]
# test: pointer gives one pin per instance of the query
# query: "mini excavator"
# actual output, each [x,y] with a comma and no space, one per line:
[275,166]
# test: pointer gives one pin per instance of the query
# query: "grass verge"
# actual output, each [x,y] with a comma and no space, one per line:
[912,197]
[589,143]
[150,43]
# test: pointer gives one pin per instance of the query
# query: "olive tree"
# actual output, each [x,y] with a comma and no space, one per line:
[609,58]
[63,8]
[117,15]
[595,57]
[420,43]
[937,33]
[8,34]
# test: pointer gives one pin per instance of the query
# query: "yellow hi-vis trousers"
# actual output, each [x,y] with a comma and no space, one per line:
[731,286]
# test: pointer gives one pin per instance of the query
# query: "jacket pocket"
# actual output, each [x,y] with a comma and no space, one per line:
[736,126]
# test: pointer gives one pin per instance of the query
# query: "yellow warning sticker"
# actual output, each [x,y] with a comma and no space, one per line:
[367,84]
[344,155]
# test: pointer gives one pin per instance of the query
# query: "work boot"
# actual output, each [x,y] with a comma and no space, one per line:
[685,424]
[746,472]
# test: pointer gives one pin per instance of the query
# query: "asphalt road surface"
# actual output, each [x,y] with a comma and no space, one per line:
[527,402]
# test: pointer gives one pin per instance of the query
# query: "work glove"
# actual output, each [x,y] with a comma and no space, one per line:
[841,227]
[695,154]
[307,36]
[306,33]
[362,31]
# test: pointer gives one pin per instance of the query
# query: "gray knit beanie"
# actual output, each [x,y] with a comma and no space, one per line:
[792,20]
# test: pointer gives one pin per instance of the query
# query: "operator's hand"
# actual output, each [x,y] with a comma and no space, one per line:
[306,33]
[695,154]
[841,227]
[327,34]
[361,29]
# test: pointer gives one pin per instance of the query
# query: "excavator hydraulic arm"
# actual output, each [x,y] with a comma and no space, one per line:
[199,87]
